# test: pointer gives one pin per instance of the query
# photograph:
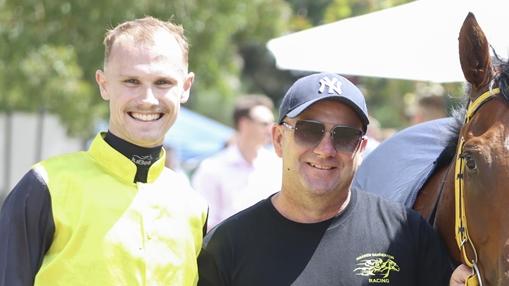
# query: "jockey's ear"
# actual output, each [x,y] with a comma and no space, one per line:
[474,54]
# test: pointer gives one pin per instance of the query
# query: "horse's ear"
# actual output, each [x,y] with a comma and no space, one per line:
[474,53]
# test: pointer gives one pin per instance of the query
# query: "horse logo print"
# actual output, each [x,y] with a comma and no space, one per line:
[376,266]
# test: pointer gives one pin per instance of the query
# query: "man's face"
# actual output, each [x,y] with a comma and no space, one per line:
[318,170]
[144,84]
[258,125]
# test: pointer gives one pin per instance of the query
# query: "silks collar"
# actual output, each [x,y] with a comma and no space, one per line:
[118,165]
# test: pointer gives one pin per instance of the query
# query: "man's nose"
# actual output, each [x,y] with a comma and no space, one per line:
[326,147]
[149,97]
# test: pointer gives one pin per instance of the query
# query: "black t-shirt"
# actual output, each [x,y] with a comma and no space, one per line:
[373,242]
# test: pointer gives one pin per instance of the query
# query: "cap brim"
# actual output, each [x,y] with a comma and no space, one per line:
[299,109]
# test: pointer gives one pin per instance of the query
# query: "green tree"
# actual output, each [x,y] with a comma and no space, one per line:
[339,9]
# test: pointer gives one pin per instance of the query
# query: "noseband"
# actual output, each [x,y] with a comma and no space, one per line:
[462,237]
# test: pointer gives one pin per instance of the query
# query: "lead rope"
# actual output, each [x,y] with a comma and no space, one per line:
[462,236]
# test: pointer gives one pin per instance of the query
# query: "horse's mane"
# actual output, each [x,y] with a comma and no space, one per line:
[458,112]
[502,77]
[446,156]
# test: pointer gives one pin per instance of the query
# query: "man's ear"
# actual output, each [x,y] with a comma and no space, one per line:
[100,78]
[277,139]
[188,82]
[363,144]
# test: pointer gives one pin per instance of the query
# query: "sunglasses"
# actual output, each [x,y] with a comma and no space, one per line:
[310,133]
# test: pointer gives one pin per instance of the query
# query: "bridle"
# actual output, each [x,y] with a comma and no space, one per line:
[462,237]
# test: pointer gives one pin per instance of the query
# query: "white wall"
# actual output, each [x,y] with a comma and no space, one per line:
[23,141]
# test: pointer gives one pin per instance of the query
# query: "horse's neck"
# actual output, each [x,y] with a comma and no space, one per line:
[435,203]
[429,196]
[444,218]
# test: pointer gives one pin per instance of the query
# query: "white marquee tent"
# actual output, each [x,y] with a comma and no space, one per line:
[415,41]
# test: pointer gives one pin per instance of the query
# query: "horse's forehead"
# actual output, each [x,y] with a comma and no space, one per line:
[492,144]
[490,122]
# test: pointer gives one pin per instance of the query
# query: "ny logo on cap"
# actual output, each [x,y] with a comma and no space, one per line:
[334,85]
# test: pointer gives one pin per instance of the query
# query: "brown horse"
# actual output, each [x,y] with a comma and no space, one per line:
[480,167]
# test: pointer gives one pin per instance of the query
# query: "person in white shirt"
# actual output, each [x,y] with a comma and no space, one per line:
[246,171]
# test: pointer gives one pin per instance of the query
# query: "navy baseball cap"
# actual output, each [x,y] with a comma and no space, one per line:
[313,88]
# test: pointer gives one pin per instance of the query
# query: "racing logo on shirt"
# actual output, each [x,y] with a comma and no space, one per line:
[376,266]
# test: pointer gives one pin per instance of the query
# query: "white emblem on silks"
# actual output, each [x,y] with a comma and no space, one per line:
[142,160]
[333,84]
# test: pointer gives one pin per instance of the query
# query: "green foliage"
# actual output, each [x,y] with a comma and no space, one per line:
[385,100]
[339,9]
[218,35]
[312,11]
[56,83]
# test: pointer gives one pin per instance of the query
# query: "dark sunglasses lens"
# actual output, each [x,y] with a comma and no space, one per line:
[309,132]
[346,138]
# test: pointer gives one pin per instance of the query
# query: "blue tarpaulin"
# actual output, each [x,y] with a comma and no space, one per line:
[194,136]
[398,168]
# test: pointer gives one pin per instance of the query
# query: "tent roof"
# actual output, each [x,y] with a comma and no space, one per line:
[415,41]
[195,136]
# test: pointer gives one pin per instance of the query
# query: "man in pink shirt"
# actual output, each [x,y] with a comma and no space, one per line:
[246,171]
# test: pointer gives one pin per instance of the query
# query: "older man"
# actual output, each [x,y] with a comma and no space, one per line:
[317,230]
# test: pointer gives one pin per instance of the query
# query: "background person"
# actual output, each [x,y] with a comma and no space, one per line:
[173,162]
[429,108]
[245,171]
[317,230]
[113,215]
[374,136]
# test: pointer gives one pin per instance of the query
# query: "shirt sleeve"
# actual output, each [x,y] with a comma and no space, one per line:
[26,230]
[211,260]
[435,264]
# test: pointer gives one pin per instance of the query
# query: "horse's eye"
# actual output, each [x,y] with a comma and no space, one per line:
[469,161]
[471,164]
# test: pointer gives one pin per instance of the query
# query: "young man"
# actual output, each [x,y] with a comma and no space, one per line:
[113,215]
[245,172]
[317,230]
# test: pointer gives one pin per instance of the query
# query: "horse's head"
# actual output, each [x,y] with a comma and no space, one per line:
[485,156]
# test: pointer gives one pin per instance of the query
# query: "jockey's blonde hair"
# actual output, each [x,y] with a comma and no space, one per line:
[142,30]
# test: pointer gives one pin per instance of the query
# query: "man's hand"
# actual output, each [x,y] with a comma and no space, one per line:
[459,276]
